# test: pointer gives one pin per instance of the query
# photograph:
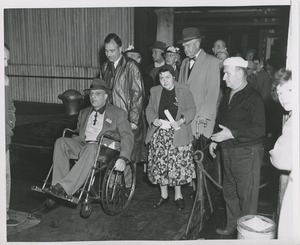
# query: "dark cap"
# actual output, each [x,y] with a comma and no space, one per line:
[97,84]
[190,33]
[159,45]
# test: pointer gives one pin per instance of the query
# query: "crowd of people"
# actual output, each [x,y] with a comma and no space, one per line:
[159,111]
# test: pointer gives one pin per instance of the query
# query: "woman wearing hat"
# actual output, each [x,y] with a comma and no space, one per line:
[172,55]
[169,113]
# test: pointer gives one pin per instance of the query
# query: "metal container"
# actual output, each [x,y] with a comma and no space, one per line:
[71,99]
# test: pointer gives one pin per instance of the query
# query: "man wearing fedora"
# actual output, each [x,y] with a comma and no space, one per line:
[201,72]
[157,54]
[94,121]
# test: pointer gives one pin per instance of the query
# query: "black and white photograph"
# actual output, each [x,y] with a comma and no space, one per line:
[140,122]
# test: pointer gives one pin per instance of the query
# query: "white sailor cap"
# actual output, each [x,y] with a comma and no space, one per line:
[236,61]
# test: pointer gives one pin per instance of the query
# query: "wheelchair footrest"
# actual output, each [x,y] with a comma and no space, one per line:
[36,188]
[69,198]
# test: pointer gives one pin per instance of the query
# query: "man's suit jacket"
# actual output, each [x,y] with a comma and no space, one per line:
[115,124]
[204,82]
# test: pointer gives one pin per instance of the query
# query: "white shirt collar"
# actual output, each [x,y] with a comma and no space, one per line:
[117,61]
[198,53]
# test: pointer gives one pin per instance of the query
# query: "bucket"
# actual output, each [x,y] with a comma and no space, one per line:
[71,99]
[246,232]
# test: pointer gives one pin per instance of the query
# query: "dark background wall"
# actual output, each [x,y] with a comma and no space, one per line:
[53,50]
[243,28]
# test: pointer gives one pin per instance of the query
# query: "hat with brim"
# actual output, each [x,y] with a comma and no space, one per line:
[132,51]
[189,34]
[98,84]
[159,45]
[236,61]
[172,49]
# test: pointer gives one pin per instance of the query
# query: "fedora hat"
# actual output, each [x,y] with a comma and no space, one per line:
[159,45]
[97,84]
[190,33]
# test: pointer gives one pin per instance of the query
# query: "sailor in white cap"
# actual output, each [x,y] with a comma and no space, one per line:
[239,130]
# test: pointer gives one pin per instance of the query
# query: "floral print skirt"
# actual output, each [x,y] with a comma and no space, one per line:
[168,164]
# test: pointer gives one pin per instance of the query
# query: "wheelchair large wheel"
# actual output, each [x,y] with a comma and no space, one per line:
[117,188]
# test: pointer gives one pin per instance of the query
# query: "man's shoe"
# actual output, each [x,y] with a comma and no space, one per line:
[225,232]
[12,222]
[56,190]
[160,202]
[179,203]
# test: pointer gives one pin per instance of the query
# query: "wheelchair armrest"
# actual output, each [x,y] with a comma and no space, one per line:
[111,137]
[67,132]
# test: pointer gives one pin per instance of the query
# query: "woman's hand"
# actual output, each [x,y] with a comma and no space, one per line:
[177,124]
[157,122]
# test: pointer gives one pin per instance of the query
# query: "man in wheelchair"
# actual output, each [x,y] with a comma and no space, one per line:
[94,121]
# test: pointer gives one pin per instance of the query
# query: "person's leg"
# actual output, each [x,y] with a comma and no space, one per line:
[78,174]
[64,150]
[164,196]
[164,191]
[9,221]
[229,191]
[179,198]
[8,183]
[248,180]
[178,194]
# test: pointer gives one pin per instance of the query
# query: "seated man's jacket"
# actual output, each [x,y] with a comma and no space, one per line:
[115,124]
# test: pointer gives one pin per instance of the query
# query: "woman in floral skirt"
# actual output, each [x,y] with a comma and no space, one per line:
[169,113]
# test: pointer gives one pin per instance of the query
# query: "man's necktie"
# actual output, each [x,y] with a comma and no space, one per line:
[191,64]
[95,118]
[112,68]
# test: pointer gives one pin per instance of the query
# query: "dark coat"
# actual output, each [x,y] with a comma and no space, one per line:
[127,87]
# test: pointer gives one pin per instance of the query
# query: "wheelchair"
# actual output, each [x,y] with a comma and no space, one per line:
[113,189]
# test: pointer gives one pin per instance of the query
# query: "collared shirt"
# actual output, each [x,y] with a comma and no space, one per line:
[94,124]
[244,116]
[117,61]
[192,61]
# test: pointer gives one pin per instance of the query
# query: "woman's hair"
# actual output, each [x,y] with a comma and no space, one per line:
[168,68]
[282,76]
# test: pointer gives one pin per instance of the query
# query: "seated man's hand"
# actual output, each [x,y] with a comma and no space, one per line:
[133,126]
[120,165]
